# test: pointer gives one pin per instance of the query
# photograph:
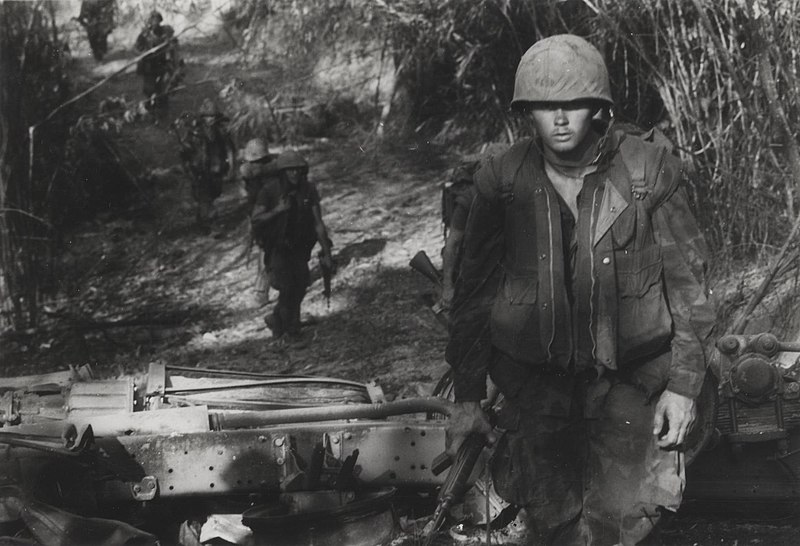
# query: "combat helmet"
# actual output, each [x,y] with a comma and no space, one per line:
[255,150]
[561,68]
[291,160]
[154,17]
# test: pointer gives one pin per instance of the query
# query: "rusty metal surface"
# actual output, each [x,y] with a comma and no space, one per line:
[261,460]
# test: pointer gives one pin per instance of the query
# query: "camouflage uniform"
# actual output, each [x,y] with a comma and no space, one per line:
[159,69]
[582,323]
[97,16]
[208,154]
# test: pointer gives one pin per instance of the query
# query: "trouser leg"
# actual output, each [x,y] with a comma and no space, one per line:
[629,478]
[553,514]
[538,462]
[290,276]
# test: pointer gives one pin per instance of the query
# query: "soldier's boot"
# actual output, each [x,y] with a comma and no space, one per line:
[274,323]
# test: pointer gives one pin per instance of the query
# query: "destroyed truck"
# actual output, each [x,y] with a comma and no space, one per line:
[191,456]
[219,455]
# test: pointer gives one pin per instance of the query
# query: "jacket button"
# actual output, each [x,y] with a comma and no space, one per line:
[537,190]
[544,305]
[613,209]
[543,256]
[606,260]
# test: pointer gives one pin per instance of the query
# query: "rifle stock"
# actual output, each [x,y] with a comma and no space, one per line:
[422,264]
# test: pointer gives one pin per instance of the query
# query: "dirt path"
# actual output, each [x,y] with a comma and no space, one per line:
[158,289]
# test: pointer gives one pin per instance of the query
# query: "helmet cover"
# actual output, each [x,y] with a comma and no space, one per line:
[291,160]
[255,149]
[561,68]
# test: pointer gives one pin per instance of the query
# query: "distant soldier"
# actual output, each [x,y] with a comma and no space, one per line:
[97,17]
[258,169]
[159,69]
[288,215]
[207,152]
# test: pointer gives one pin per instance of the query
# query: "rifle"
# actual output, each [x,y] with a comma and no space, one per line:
[422,264]
[455,486]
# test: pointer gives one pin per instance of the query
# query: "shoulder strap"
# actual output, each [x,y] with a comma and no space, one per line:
[644,161]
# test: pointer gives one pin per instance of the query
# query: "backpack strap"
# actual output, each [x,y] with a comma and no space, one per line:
[649,190]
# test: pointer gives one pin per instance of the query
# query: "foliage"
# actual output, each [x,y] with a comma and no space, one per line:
[33,62]
[690,66]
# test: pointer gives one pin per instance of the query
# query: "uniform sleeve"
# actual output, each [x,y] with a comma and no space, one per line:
[685,253]
[469,347]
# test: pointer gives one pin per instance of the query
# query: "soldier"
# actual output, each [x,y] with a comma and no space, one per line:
[207,152]
[582,295]
[257,170]
[97,17]
[160,69]
[288,218]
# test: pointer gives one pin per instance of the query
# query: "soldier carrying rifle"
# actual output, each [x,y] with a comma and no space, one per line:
[287,221]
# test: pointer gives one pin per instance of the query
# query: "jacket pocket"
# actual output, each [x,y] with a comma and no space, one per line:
[645,321]
[515,318]
[520,289]
[638,271]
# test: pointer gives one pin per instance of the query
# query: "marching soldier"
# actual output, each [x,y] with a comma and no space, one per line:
[158,69]
[207,152]
[288,218]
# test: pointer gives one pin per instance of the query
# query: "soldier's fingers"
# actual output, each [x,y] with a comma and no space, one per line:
[658,423]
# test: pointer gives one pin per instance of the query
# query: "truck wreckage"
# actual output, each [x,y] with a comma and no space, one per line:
[191,456]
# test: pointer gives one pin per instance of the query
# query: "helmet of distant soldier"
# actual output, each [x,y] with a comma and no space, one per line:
[291,160]
[561,68]
[255,149]
[154,17]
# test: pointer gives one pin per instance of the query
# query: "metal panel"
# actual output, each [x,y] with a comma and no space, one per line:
[101,397]
[256,460]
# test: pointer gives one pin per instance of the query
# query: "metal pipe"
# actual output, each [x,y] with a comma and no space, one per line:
[266,383]
[222,421]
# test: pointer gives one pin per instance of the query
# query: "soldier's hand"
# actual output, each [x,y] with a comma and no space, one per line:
[674,417]
[468,417]
[283,205]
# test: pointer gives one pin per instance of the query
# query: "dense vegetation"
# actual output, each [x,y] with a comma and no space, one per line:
[719,77]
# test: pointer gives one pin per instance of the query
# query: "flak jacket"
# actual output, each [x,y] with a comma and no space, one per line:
[638,285]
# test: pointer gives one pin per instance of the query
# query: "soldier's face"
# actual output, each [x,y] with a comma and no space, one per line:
[562,126]
[295,176]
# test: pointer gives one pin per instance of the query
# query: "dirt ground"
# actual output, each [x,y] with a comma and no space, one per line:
[149,286]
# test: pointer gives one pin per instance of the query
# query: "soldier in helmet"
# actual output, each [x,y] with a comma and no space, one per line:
[97,17]
[207,152]
[581,294]
[287,219]
[158,69]
[258,169]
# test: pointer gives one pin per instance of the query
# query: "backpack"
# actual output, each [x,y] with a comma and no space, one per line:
[459,185]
